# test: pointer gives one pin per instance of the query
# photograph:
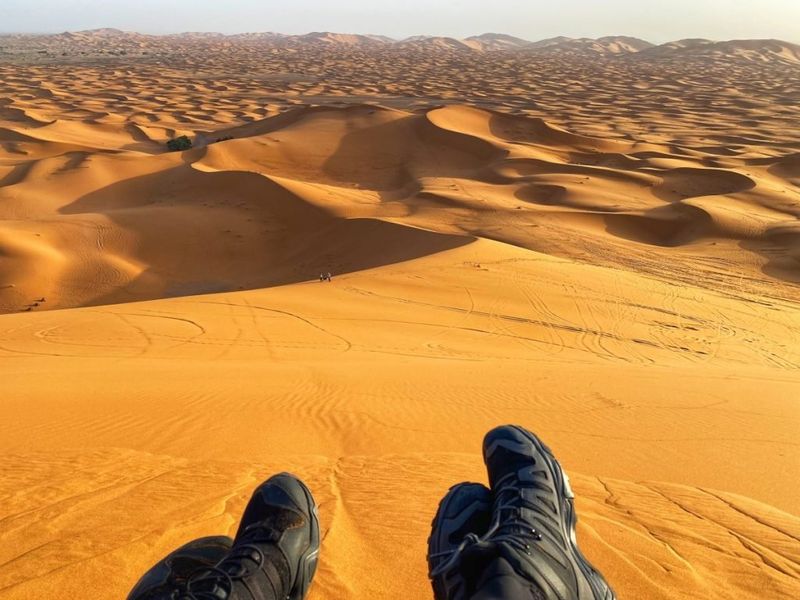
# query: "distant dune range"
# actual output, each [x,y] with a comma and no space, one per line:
[598,239]
[115,42]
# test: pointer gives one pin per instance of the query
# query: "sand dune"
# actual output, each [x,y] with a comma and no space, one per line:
[109,43]
[749,50]
[604,46]
[257,196]
[496,41]
[606,251]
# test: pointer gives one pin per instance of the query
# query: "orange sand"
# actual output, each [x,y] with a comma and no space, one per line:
[619,276]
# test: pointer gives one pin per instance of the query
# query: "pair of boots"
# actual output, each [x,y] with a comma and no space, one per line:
[515,541]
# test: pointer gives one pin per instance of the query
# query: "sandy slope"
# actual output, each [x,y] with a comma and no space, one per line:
[631,297]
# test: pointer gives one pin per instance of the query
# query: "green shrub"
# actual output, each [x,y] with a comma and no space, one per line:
[179,144]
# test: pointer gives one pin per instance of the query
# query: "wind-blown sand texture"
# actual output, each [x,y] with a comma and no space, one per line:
[603,247]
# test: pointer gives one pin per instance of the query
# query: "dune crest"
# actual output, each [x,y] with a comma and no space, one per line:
[305,170]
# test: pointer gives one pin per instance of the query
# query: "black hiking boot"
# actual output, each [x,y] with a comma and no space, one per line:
[275,552]
[464,515]
[533,521]
[167,579]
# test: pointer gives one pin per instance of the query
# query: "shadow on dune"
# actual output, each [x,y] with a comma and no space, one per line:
[362,147]
[538,132]
[781,248]
[191,232]
[392,156]
[376,157]
[687,182]
[787,167]
[666,226]
[17,174]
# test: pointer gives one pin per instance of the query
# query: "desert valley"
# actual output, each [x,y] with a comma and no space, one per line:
[598,239]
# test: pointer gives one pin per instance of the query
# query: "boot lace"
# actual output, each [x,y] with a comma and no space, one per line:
[507,526]
[206,583]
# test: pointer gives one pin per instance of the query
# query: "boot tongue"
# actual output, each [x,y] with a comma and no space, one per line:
[273,573]
[498,568]
[265,569]
[212,590]
[475,559]
[500,580]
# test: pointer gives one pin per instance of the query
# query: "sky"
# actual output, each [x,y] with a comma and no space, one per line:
[655,20]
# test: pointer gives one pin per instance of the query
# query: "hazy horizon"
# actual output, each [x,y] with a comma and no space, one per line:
[531,20]
[372,33]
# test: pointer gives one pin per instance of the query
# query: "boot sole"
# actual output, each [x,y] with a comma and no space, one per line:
[600,588]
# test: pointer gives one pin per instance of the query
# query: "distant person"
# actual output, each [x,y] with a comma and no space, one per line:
[515,541]
[330,277]
[322,276]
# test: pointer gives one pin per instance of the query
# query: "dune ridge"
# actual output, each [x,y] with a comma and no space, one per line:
[605,250]
[114,42]
[452,171]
